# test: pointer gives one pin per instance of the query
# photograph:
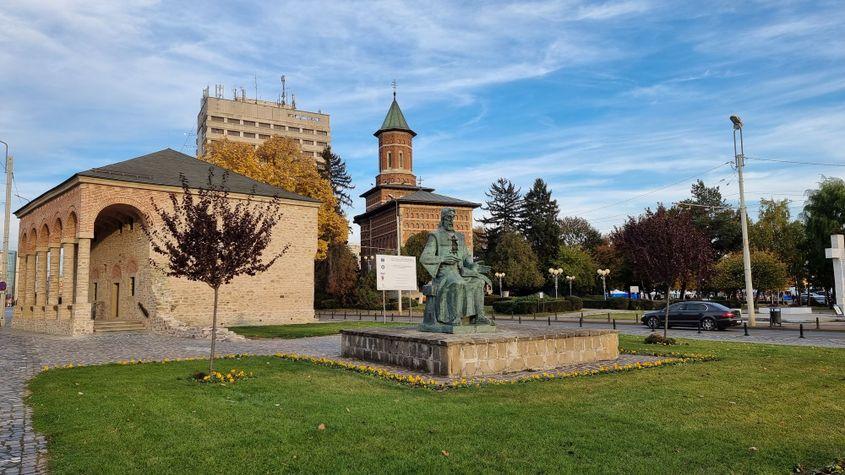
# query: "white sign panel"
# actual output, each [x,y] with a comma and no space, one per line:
[396,272]
[635,289]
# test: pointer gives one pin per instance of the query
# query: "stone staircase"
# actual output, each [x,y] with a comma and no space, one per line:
[107,326]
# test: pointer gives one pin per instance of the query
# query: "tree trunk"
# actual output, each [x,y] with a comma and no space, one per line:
[213,332]
[666,320]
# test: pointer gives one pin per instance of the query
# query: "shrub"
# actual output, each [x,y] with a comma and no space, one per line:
[234,375]
[577,303]
[658,339]
[524,305]
[490,299]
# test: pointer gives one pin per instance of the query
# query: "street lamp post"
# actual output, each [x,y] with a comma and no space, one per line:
[4,266]
[743,219]
[499,275]
[555,273]
[603,273]
[570,278]
[369,261]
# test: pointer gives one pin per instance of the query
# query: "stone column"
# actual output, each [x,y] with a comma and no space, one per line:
[41,281]
[30,285]
[67,278]
[836,252]
[20,285]
[53,294]
[81,306]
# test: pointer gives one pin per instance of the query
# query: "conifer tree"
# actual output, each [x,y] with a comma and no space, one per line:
[539,222]
[504,207]
[335,172]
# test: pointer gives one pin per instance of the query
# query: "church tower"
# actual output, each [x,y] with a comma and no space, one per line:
[397,207]
[395,149]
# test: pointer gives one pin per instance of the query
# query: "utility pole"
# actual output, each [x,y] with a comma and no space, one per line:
[743,219]
[4,266]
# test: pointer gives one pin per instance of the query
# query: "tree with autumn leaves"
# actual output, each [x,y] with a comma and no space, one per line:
[279,162]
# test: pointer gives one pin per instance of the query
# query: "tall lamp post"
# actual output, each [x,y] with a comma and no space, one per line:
[499,275]
[555,273]
[603,273]
[570,278]
[743,219]
[4,266]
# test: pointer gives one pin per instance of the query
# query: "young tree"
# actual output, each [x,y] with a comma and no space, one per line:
[667,248]
[211,238]
[577,231]
[514,256]
[279,162]
[504,207]
[334,170]
[824,214]
[713,215]
[539,222]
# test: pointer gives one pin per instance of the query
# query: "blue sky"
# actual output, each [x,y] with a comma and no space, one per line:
[606,101]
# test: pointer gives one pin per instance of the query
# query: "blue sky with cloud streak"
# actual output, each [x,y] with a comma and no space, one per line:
[604,100]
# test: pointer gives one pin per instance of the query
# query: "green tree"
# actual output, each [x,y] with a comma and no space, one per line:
[713,215]
[823,215]
[503,207]
[577,231]
[514,256]
[334,170]
[770,274]
[775,232]
[539,222]
[579,263]
[414,247]
[336,275]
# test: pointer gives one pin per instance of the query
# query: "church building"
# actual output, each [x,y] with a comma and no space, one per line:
[84,259]
[397,206]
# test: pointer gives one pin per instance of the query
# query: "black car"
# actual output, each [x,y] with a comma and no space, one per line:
[711,315]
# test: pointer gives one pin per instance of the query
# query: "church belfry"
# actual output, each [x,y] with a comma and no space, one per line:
[395,149]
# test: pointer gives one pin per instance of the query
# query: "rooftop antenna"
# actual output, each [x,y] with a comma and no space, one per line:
[235,92]
[243,94]
[218,91]
[394,89]
[293,100]
[284,92]
[205,91]
[255,81]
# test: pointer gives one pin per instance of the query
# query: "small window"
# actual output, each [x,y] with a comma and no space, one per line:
[308,142]
[264,125]
[216,119]
[263,136]
[249,135]
[322,144]
[250,123]
[95,291]
[307,131]
[322,132]
[389,159]
[233,121]
[132,286]
[401,160]
[233,132]
[293,129]
[217,131]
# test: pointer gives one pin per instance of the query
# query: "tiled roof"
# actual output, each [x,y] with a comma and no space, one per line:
[394,120]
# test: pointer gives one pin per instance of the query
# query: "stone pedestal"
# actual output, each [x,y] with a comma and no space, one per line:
[480,354]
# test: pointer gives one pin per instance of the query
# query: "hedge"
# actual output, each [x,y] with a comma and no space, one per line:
[524,305]
[624,304]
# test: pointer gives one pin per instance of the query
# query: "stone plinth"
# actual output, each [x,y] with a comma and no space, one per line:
[468,355]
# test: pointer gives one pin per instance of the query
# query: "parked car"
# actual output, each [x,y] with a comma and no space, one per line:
[712,315]
[818,297]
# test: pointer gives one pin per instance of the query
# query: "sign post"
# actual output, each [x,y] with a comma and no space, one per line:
[395,273]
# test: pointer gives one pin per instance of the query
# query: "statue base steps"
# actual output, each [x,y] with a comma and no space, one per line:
[456,329]
[480,354]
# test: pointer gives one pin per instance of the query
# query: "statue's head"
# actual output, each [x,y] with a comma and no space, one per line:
[447,219]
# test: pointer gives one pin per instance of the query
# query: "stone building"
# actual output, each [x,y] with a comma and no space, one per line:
[253,121]
[397,205]
[84,260]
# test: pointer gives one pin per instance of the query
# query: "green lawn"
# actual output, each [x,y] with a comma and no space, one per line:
[307,329]
[787,402]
